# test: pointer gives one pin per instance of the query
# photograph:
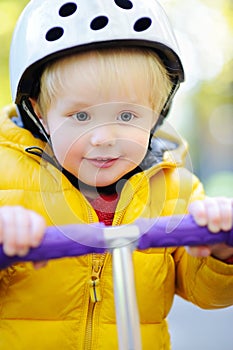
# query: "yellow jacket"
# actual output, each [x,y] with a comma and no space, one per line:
[51,308]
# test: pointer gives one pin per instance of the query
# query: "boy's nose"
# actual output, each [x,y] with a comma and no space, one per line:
[103,135]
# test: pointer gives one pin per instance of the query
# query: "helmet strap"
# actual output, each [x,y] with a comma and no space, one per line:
[168,102]
[165,109]
[27,107]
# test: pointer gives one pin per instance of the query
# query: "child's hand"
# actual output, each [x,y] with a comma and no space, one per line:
[20,230]
[217,214]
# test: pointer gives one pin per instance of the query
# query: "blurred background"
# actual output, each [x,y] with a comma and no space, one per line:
[202,113]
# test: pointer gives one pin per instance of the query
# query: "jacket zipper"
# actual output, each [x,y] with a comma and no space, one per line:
[94,296]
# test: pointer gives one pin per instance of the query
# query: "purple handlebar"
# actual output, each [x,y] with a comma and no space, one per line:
[76,240]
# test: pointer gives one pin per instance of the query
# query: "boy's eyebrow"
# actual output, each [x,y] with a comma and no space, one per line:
[76,105]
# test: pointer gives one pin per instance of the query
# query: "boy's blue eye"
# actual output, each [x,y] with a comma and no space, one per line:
[81,116]
[126,116]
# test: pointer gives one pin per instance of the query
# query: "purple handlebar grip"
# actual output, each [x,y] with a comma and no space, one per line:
[176,231]
[76,240]
[62,241]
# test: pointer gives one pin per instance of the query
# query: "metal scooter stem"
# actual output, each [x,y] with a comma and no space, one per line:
[121,242]
[125,300]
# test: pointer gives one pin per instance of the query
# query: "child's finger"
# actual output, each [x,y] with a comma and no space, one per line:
[213,214]
[39,264]
[22,231]
[199,252]
[198,211]
[225,205]
[8,231]
[1,229]
[38,227]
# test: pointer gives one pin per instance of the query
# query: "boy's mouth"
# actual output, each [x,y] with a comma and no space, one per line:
[102,162]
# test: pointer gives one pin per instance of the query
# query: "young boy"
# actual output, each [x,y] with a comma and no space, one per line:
[92,82]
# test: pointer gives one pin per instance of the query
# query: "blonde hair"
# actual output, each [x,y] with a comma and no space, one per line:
[114,65]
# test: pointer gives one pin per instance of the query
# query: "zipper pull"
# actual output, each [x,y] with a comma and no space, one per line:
[94,282]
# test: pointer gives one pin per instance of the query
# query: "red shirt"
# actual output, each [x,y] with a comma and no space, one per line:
[105,206]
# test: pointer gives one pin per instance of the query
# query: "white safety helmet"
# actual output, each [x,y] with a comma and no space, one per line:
[49,29]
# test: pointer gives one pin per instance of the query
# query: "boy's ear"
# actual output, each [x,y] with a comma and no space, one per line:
[38,113]
[35,107]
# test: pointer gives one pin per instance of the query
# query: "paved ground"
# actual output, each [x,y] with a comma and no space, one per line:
[194,329]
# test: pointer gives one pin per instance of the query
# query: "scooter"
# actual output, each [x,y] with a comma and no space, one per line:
[121,241]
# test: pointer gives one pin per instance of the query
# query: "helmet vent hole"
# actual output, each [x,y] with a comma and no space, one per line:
[124,4]
[68,9]
[142,24]
[99,22]
[54,34]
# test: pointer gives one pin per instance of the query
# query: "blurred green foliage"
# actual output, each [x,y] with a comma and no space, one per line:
[9,12]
